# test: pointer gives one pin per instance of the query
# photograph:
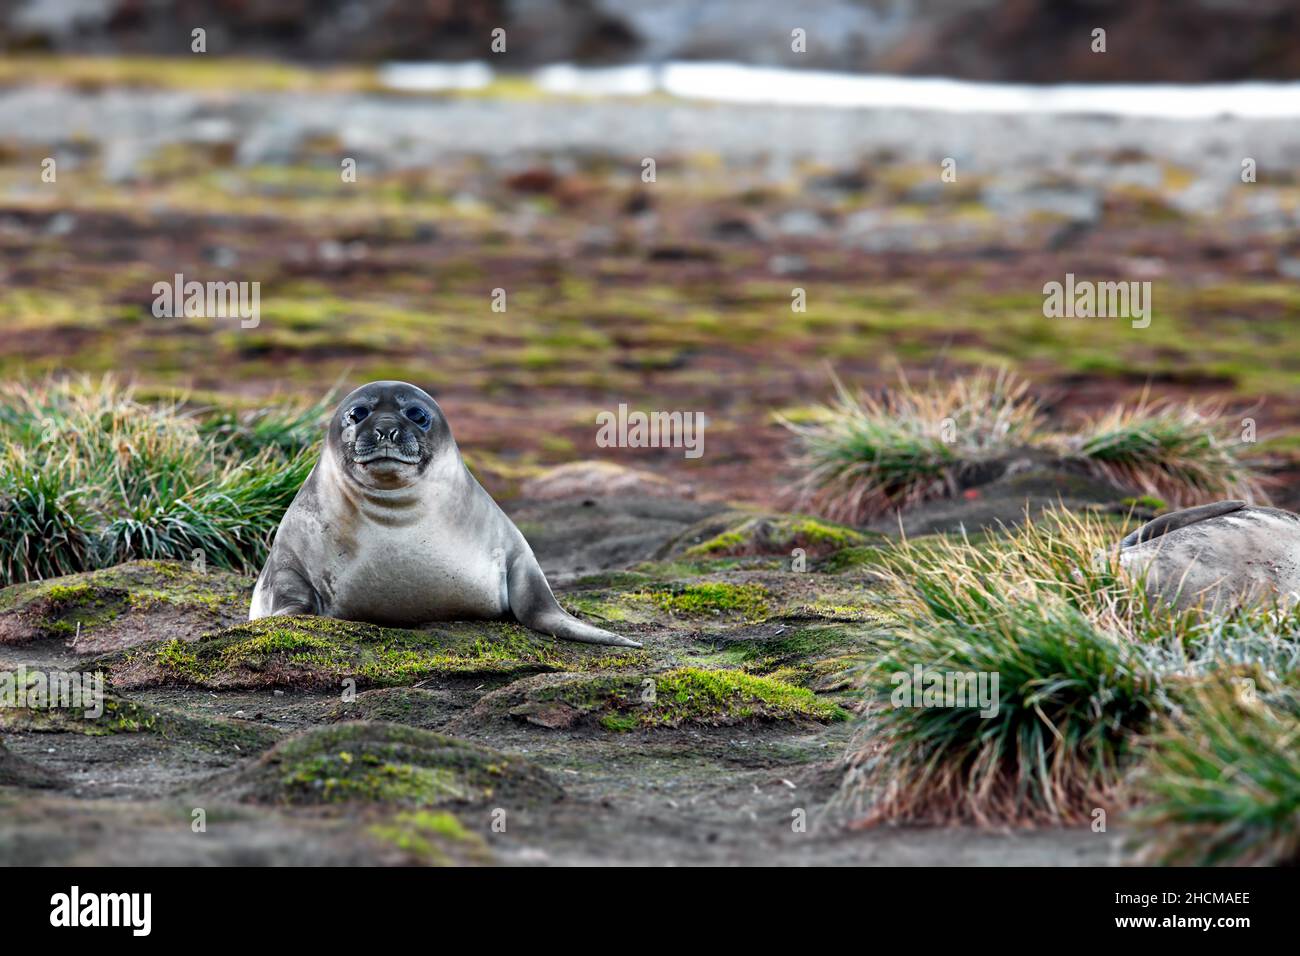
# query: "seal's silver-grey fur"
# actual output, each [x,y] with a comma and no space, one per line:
[391,528]
[1217,556]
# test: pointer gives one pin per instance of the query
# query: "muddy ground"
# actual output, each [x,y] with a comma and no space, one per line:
[460,726]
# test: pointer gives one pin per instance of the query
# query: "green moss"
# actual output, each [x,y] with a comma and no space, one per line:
[340,776]
[318,652]
[748,600]
[801,644]
[65,593]
[619,723]
[772,534]
[119,717]
[434,838]
[823,532]
[682,696]
[720,544]
[835,610]
[821,657]
[694,695]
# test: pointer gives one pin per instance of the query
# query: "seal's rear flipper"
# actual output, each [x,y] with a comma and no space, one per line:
[1180,519]
[533,605]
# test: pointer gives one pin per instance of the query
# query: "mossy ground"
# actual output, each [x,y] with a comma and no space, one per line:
[375,762]
[741,533]
[722,701]
[821,656]
[121,715]
[721,595]
[681,697]
[712,598]
[322,653]
[116,606]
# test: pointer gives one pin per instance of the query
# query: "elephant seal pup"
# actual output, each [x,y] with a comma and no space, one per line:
[391,528]
[1217,556]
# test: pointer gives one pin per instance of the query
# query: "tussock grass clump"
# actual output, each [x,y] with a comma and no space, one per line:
[863,455]
[229,517]
[1045,609]
[1060,556]
[1069,699]
[288,430]
[91,477]
[1086,664]
[1183,453]
[42,522]
[1221,785]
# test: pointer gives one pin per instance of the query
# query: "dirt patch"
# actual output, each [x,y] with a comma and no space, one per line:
[16,771]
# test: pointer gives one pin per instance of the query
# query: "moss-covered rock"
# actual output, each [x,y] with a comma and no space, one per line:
[122,606]
[316,652]
[745,533]
[683,696]
[376,762]
[711,598]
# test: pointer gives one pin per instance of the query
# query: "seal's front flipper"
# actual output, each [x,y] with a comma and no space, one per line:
[282,590]
[533,605]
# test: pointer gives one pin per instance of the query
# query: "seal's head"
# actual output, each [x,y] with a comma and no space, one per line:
[386,434]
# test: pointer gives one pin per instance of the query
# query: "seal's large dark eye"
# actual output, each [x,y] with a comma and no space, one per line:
[358,413]
[418,415]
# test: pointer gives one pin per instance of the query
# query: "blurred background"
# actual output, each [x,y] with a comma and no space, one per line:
[794,147]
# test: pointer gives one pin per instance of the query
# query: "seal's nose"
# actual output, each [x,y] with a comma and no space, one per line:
[390,435]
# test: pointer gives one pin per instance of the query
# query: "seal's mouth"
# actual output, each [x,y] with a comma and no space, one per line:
[385,454]
[405,452]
